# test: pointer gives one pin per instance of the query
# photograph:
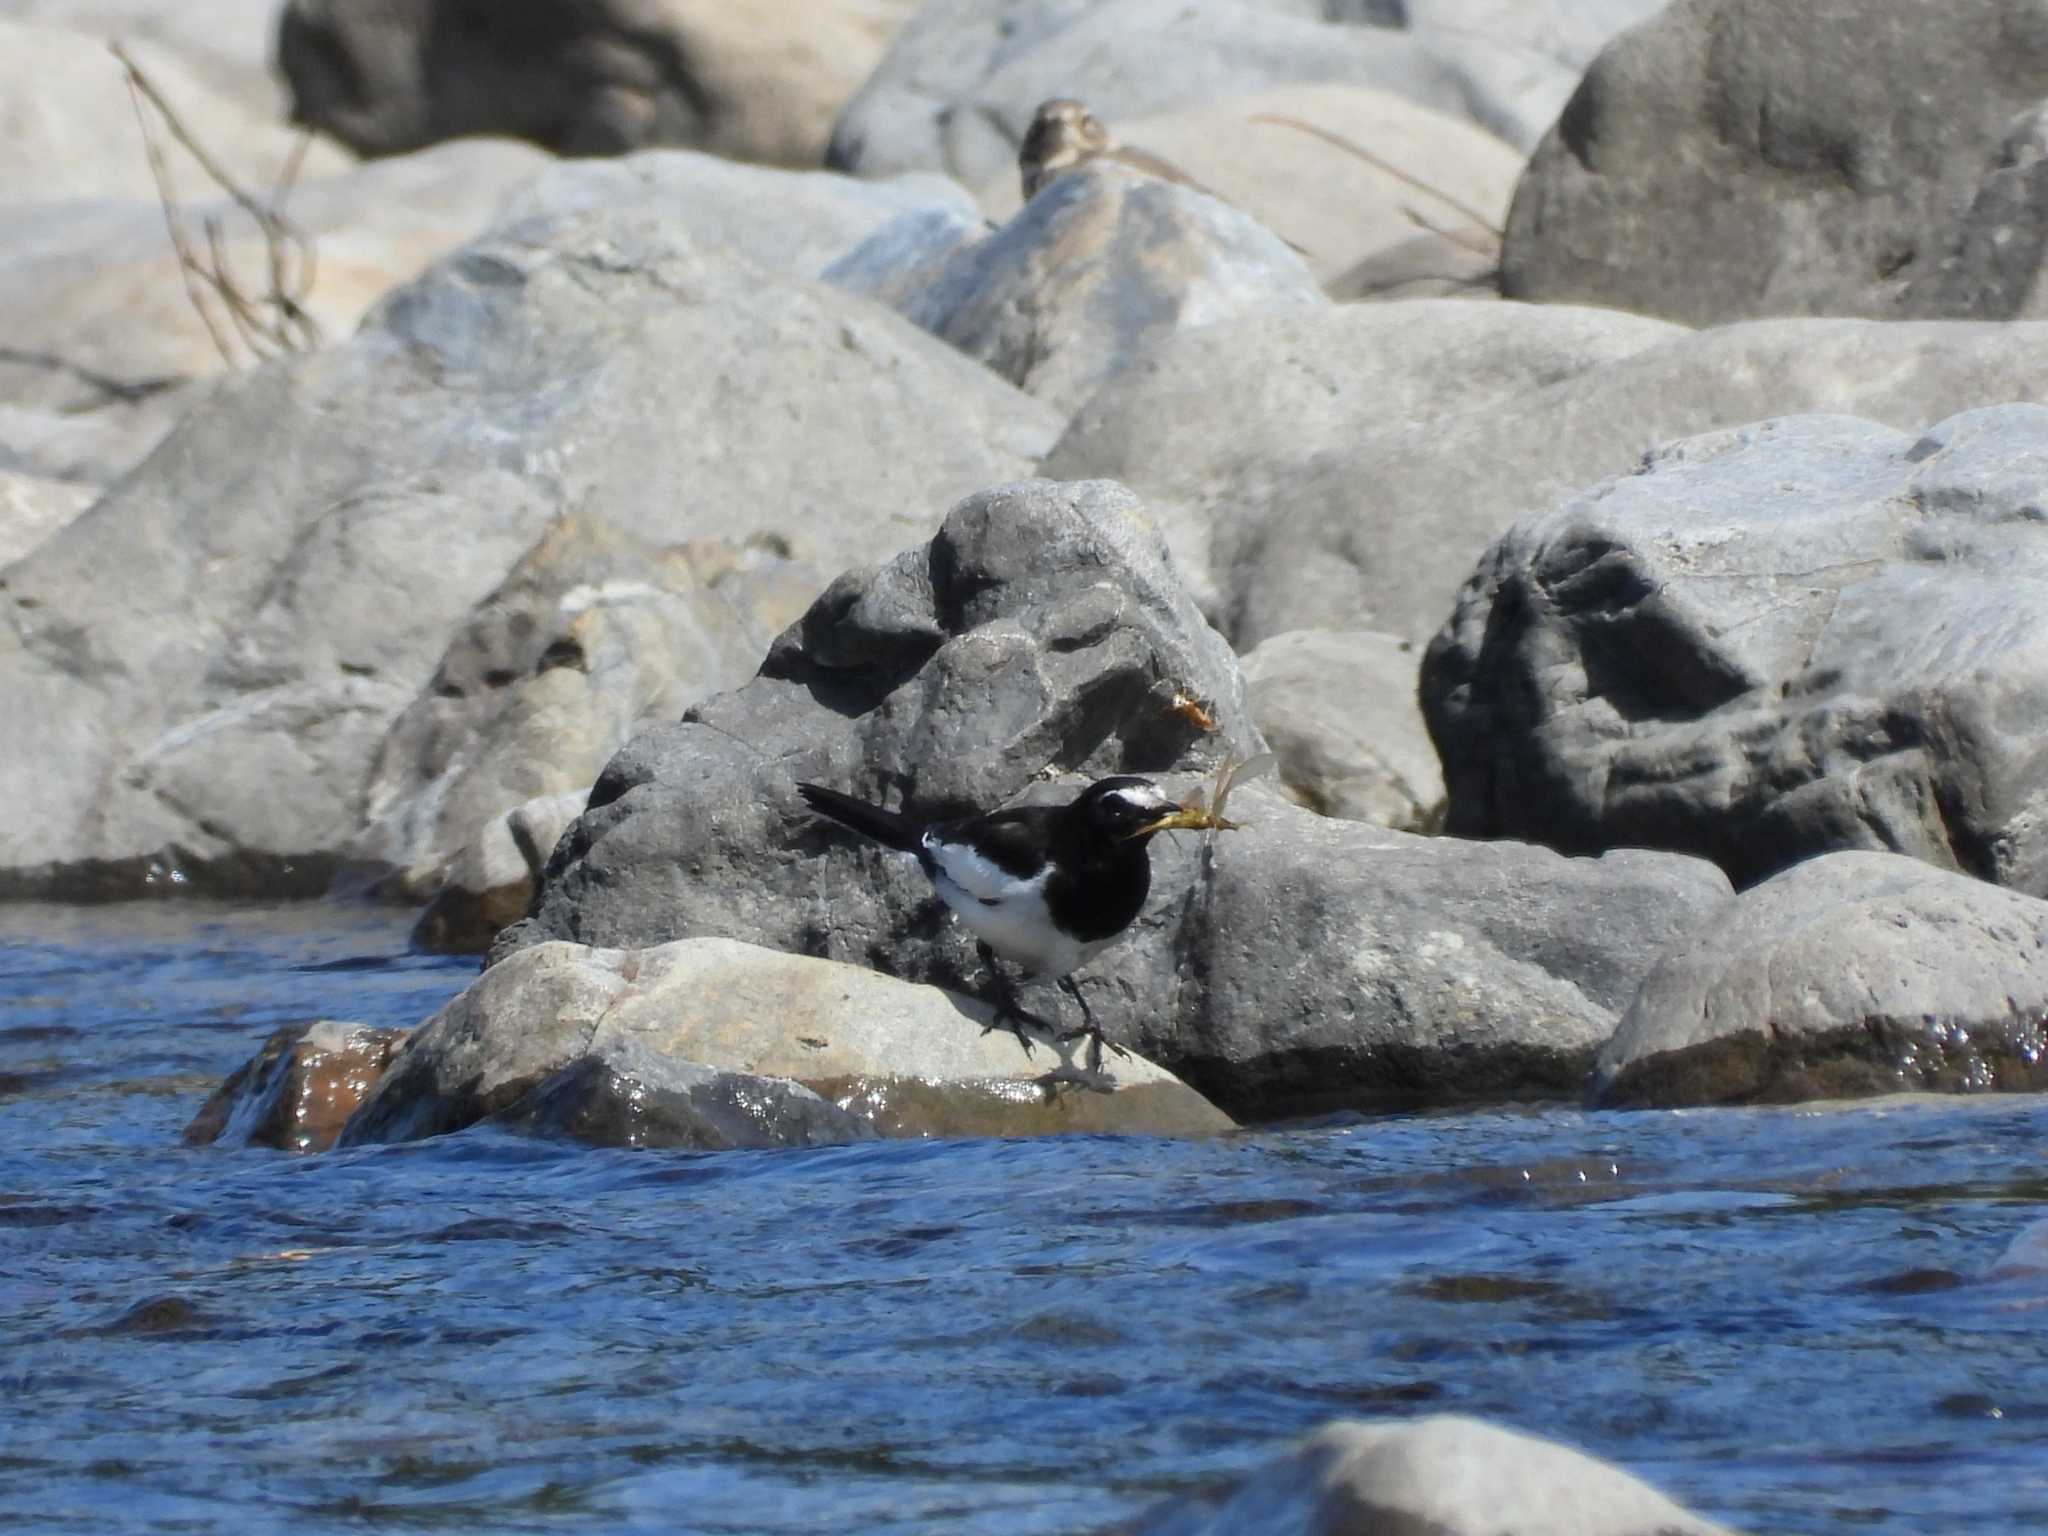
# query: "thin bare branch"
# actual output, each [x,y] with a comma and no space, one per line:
[1464,242]
[1380,163]
[278,320]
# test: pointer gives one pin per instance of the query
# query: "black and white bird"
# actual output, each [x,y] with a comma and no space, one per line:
[1045,887]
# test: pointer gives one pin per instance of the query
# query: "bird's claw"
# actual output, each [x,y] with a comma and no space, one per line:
[1096,1041]
[1015,1026]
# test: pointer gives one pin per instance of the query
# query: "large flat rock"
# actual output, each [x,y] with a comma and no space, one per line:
[740,1046]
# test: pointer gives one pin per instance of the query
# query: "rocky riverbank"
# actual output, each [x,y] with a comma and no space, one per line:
[1620,512]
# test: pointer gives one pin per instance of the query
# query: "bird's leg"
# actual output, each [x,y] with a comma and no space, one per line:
[1093,1030]
[1008,1009]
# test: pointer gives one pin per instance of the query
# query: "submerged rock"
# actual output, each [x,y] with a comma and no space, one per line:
[1851,974]
[627,1094]
[299,1089]
[1445,1475]
[708,1043]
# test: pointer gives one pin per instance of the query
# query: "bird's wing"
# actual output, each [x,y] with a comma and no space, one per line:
[992,857]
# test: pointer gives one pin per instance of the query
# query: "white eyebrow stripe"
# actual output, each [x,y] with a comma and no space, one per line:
[1139,799]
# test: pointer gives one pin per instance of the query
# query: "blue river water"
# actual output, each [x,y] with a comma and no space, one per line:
[1810,1320]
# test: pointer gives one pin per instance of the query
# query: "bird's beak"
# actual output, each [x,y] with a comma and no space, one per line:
[1170,815]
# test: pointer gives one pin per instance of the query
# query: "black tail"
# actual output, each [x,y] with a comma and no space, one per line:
[885,827]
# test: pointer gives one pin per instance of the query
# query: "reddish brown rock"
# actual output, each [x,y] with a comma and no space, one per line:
[299,1089]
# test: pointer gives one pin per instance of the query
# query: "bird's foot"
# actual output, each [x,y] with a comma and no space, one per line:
[1014,1022]
[1096,1041]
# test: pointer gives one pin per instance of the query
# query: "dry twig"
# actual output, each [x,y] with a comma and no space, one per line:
[275,321]
[1387,167]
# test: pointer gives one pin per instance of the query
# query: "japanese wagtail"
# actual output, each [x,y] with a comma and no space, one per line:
[1045,887]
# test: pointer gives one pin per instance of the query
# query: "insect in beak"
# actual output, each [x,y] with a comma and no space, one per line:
[1201,814]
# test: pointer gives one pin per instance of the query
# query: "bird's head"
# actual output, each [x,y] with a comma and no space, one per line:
[1123,807]
[1063,133]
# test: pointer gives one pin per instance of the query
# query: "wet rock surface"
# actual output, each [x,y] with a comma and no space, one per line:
[709,1043]
[1849,975]
[299,1090]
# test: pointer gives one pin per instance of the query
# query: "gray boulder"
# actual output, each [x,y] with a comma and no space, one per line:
[1850,974]
[905,256]
[1228,429]
[225,44]
[1340,713]
[1805,635]
[72,134]
[1444,1475]
[959,83]
[211,658]
[584,77]
[1298,964]
[32,508]
[1866,148]
[1098,264]
[1041,635]
[711,1043]
[1305,964]
[793,222]
[1343,469]
[592,634]
[490,881]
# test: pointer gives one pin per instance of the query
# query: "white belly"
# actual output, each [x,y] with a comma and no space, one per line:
[1017,927]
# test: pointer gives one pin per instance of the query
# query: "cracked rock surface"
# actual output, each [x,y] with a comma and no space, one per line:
[1789,638]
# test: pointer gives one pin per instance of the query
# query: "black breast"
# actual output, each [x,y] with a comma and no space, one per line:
[1097,890]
